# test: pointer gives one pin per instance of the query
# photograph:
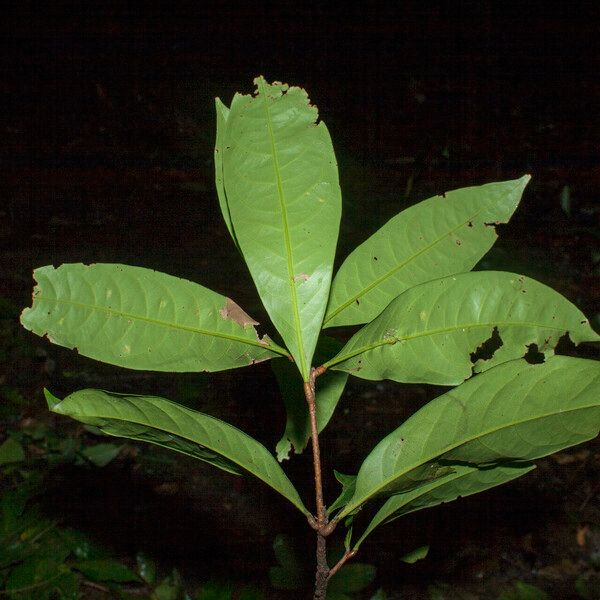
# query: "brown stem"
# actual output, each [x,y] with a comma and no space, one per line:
[309,392]
[347,556]
[322,573]
[319,371]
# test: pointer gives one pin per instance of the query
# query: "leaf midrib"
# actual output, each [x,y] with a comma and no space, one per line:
[353,505]
[441,482]
[414,257]
[364,291]
[177,327]
[170,431]
[286,235]
[395,339]
[140,438]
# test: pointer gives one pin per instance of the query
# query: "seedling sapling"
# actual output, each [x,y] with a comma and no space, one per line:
[421,310]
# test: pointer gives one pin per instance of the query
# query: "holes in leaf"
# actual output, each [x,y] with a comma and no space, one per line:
[487,349]
[533,356]
[565,345]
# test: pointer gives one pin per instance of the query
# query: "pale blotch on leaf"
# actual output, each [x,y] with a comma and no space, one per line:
[236,314]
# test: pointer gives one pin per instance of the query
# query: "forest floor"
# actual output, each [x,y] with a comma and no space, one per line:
[152,203]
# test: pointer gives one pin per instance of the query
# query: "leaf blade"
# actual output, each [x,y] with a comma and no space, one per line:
[164,423]
[329,389]
[504,415]
[283,192]
[222,113]
[142,319]
[435,238]
[428,333]
[464,481]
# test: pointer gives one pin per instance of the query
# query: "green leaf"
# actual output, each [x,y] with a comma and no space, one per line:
[352,578]
[428,333]
[222,114]
[161,422]
[582,589]
[169,588]
[142,319]
[251,593]
[514,412]
[101,454]
[146,568]
[329,388]
[463,481]
[283,193]
[348,486]
[524,591]
[440,236]
[106,570]
[11,451]
[80,545]
[33,577]
[67,586]
[415,555]
[12,507]
[289,573]
[348,536]
[216,590]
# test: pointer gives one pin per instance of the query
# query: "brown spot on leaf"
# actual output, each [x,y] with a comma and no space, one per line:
[255,361]
[265,340]
[234,313]
[301,277]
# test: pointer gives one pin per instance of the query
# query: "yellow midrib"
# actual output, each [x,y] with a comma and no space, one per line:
[188,328]
[286,236]
[395,339]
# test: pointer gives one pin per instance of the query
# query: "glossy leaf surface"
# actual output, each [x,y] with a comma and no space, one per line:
[440,236]
[463,481]
[222,113]
[164,423]
[329,389]
[428,333]
[348,487]
[142,319]
[282,188]
[514,412]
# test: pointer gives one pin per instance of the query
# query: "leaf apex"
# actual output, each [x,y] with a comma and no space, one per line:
[524,180]
[52,400]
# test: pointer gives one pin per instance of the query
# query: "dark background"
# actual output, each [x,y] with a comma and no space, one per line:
[107,129]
